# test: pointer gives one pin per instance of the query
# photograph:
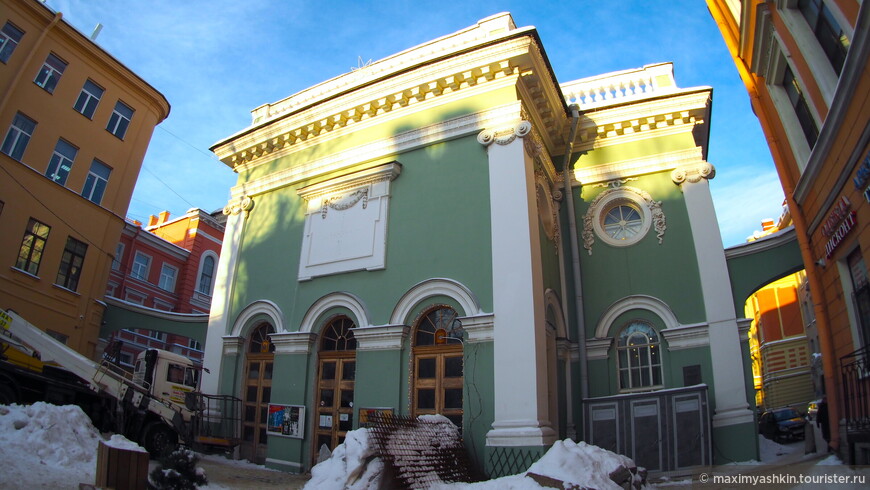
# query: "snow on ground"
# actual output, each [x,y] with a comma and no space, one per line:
[48,446]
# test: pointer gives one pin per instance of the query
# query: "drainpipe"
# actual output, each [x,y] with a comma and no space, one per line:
[575,252]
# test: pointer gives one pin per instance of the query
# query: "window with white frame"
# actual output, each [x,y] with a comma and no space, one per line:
[799,103]
[10,36]
[141,266]
[827,30]
[168,274]
[18,136]
[50,73]
[206,275]
[98,179]
[639,359]
[88,99]
[61,161]
[120,119]
[119,253]
[194,344]
[163,305]
[135,297]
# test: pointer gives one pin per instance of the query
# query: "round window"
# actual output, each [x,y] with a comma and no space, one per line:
[622,221]
[622,218]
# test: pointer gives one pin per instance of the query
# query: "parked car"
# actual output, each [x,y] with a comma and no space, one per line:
[813,409]
[781,424]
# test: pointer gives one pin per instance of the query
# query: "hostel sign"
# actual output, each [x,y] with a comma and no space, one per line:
[839,224]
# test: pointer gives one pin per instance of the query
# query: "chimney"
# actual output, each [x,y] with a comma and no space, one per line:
[164,217]
[767,224]
[152,220]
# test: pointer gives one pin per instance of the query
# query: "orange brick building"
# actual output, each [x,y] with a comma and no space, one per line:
[168,265]
[804,64]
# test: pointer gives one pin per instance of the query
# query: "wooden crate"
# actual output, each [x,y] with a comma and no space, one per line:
[121,469]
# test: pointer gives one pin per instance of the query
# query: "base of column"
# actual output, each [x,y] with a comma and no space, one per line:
[735,443]
[517,433]
[506,461]
[733,416]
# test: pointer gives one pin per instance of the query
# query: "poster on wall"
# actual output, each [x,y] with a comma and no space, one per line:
[286,420]
[365,414]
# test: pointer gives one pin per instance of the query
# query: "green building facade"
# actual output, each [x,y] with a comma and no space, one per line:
[400,240]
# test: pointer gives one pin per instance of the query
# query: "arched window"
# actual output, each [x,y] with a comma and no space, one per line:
[438,365]
[338,335]
[438,327]
[206,275]
[260,342]
[639,357]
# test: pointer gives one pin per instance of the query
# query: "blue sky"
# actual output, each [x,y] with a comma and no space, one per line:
[216,60]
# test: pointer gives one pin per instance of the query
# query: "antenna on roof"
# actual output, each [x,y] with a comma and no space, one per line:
[96,32]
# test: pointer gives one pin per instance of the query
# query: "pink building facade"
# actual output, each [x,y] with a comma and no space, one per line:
[167,265]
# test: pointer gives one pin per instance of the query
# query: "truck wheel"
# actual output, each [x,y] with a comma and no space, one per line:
[159,439]
[8,395]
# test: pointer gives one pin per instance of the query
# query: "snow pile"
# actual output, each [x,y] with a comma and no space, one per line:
[353,466]
[567,464]
[584,465]
[118,441]
[48,444]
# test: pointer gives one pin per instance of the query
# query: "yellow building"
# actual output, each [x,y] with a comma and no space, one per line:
[75,124]
[804,65]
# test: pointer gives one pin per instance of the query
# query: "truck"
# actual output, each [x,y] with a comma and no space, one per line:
[158,405]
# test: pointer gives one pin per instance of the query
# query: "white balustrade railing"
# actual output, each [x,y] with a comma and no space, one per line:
[611,88]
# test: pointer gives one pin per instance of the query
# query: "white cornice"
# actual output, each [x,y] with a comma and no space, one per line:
[675,113]
[467,74]
[381,337]
[486,30]
[597,348]
[293,342]
[687,336]
[479,327]
[380,149]
[357,179]
[637,166]
[232,345]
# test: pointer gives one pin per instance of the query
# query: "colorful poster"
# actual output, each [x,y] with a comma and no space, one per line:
[286,420]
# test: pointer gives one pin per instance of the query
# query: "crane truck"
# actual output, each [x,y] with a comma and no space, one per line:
[157,406]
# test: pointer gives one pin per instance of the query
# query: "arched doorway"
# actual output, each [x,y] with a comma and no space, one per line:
[336,373]
[438,365]
[256,393]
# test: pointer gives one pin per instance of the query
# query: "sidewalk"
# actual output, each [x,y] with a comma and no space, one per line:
[780,465]
[226,474]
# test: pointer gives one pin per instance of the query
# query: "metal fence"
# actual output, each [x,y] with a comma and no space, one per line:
[855,372]
[663,431]
[420,452]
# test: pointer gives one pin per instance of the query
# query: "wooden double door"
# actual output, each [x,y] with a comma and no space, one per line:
[335,391]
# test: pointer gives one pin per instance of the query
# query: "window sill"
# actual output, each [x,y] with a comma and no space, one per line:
[644,389]
[62,288]
[25,273]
